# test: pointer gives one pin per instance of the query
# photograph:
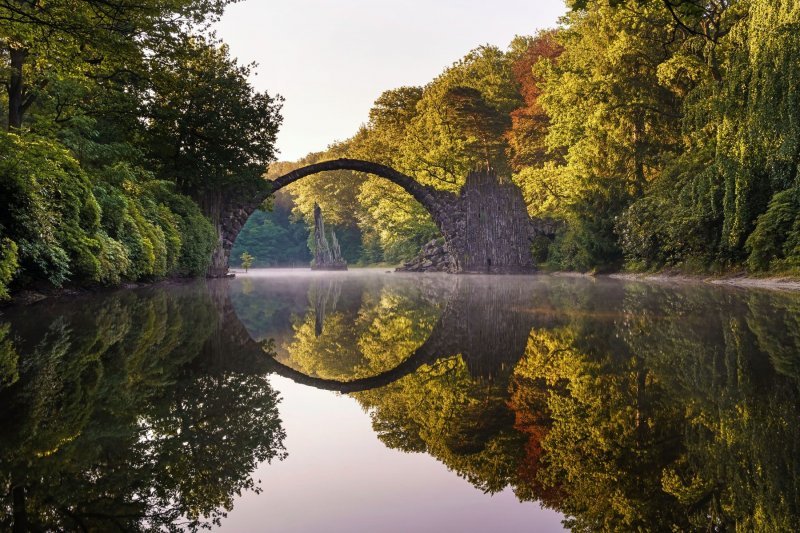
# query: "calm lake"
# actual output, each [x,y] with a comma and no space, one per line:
[286,401]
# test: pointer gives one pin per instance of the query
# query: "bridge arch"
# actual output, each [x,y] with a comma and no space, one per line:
[238,209]
[486,227]
[429,197]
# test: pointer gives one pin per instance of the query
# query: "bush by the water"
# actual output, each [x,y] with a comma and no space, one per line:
[61,224]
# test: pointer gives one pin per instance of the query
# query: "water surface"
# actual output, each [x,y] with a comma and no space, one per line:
[364,401]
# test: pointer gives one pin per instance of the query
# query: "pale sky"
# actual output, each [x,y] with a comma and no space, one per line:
[330,59]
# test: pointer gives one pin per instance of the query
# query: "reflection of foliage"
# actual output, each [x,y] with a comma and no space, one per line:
[228,417]
[112,424]
[684,425]
[9,359]
[361,337]
[441,410]
[741,427]
[609,437]
[633,407]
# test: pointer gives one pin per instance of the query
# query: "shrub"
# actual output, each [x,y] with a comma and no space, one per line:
[8,265]
[775,241]
[45,194]
[119,223]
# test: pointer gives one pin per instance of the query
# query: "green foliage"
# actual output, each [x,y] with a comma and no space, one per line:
[119,224]
[612,120]
[675,222]
[437,134]
[197,236]
[718,202]
[207,127]
[275,237]
[247,260]
[775,241]
[539,248]
[113,116]
[9,253]
[51,214]
[662,134]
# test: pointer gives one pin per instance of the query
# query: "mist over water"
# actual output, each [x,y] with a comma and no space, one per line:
[285,400]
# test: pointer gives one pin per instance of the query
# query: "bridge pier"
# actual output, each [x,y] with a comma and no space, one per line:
[486,227]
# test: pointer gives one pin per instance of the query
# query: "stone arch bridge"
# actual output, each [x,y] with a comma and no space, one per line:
[486,227]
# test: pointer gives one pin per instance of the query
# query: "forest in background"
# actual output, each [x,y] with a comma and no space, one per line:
[664,133]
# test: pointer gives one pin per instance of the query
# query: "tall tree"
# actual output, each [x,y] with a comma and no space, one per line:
[207,128]
[611,116]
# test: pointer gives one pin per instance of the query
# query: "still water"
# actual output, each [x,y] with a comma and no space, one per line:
[368,401]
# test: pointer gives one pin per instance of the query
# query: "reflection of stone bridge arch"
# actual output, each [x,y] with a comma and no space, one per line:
[486,226]
[488,325]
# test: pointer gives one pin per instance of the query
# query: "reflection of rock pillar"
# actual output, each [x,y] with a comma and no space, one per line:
[326,256]
[321,299]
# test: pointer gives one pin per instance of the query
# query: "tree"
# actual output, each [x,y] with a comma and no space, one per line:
[275,237]
[112,109]
[94,39]
[438,134]
[719,200]
[530,122]
[460,118]
[207,128]
[247,260]
[613,120]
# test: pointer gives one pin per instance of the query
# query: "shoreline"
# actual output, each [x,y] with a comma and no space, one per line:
[776,283]
[33,296]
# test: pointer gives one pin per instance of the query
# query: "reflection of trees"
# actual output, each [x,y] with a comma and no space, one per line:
[632,406]
[443,410]
[624,406]
[466,346]
[9,358]
[731,375]
[684,425]
[115,424]
[360,336]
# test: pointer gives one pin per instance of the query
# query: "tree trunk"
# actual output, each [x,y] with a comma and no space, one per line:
[16,88]
[638,154]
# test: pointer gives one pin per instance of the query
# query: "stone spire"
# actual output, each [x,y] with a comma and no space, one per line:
[326,256]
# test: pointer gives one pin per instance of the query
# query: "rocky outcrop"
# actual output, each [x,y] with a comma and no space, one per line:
[433,257]
[326,256]
[486,229]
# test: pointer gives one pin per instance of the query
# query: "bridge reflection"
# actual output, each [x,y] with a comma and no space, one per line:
[487,324]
